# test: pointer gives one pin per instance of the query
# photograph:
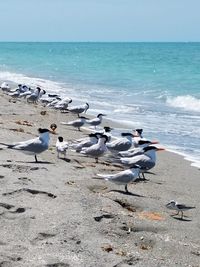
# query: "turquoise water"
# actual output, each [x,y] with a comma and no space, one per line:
[155,86]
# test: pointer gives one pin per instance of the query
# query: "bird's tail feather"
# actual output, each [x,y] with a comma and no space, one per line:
[7,145]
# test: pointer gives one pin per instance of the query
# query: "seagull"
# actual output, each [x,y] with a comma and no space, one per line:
[146,160]
[33,146]
[61,146]
[96,121]
[96,150]
[77,123]
[173,205]
[123,177]
[121,144]
[79,109]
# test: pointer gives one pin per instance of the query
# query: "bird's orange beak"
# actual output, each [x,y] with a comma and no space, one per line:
[154,142]
[160,148]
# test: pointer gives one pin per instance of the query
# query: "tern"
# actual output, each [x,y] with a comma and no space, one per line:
[33,98]
[63,104]
[61,147]
[106,131]
[124,177]
[5,87]
[87,142]
[121,144]
[96,121]
[76,123]
[15,94]
[33,146]
[173,205]
[79,109]
[96,150]
[137,150]
[146,160]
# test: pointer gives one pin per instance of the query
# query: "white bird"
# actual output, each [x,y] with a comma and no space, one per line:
[96,121]
[63,103]
[124,177]
[76,123]
[87,142]
[61,147]
[137,150]
[138,133]
[107,131]
[174,205]
[79,109]
[14,94]
[121,144]
[96,150]
[5,87]
[33,146]
[51,102]
[35,95]
[26,93]
[146,161]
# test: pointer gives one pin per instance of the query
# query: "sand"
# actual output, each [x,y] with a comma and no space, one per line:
[57,213]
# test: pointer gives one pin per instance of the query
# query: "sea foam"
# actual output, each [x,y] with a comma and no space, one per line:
[186,102]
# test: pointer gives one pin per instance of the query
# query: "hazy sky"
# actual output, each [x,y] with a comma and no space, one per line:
[99,20]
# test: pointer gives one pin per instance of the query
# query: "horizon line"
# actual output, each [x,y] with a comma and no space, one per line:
[99,41]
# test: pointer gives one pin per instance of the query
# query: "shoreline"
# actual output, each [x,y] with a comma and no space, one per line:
[195,162]
[75,219]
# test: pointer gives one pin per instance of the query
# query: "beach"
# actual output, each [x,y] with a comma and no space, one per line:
[57,213]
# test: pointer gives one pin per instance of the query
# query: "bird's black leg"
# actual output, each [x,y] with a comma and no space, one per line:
[181,214]
[143,176]
[96,160]
[36,159]
[126,188]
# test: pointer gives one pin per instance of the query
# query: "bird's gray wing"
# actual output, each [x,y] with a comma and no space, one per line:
[33,146]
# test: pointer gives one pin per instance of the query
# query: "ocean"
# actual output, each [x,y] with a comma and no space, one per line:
[154,86]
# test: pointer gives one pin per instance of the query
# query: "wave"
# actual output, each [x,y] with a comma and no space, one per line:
[186,102]
[31,81]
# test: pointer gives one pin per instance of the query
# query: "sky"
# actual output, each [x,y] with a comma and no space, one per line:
[100,20]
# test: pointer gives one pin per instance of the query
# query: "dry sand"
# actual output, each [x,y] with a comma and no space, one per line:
[56,213]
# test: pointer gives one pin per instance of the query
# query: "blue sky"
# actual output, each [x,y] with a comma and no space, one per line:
[100,20]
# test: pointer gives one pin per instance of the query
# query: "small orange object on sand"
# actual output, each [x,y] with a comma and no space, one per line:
[153,216]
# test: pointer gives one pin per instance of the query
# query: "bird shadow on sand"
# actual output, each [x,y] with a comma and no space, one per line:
[38,162]
[180,219]
[125,193]
[65,159]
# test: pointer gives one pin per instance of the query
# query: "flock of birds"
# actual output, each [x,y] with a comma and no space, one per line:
[131,150]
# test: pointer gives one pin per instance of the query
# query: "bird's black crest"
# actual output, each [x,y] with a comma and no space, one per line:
[100,114]
[139,131]
[126,134]
[107,129]
[60,138]
[93,135]
[142,142]
[150,148]
[43,130]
